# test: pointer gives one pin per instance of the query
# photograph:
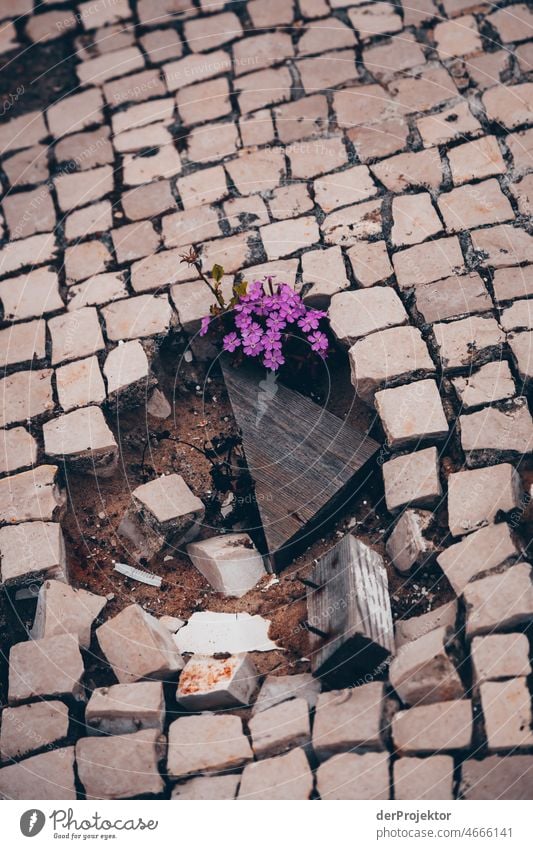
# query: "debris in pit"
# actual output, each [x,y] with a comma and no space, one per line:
[211,633]
[138,574]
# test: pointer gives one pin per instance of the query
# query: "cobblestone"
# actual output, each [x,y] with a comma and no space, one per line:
[478,553]
[499,602]
[476,497]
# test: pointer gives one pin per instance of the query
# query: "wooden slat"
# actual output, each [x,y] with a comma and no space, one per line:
[301,457]
[349,608]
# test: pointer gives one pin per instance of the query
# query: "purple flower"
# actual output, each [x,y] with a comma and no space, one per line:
[271,341]
[231,342]
[252,347]
[253,333]
[243,321]
[319,341]
[205,325]
[275,322]
[273,359]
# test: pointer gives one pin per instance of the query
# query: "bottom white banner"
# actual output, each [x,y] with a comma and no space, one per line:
[361,823]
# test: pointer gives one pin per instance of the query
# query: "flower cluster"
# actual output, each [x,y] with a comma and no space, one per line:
[263,320]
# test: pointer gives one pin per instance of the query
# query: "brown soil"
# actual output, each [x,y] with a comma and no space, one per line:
[202,413]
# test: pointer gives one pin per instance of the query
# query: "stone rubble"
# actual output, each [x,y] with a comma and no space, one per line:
[137,646]
[61,609]
[163,511]
[207,683]
[230,563]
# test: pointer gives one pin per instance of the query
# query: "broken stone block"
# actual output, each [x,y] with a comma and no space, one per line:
[82,439]
[208,632]
[48,668]
[477,496]
[507,713]
[137,646]
[61,609]
[30,551]
[422,671]
[287,777]
[354,776]
[230,562]
[500,602]
[164,511]
[407,630]
[121,767]
[346,719]
[407,546]
[468,342]
[477,553]
[47,776]
[126,708]
[386,357]
[279,728]
[210,684]
[500,656]
[281,688]
[358,313]
[349,614]
[412,479]
[31,496]
[497,778]
[492,382]
[428,729]
[411,413]
[128,375]
[424,778]
[157,405]
[206,744]
[27,728]
[494,435]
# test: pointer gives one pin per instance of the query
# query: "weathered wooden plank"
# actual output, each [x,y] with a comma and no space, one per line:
[349,613]
[301,457]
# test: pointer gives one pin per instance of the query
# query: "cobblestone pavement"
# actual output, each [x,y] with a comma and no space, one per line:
[379,154]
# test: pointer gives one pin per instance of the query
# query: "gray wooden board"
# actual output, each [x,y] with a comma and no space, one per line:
[301,457]
[350,605]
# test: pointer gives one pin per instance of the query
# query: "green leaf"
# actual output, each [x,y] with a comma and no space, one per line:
[217,273]
[239,289]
